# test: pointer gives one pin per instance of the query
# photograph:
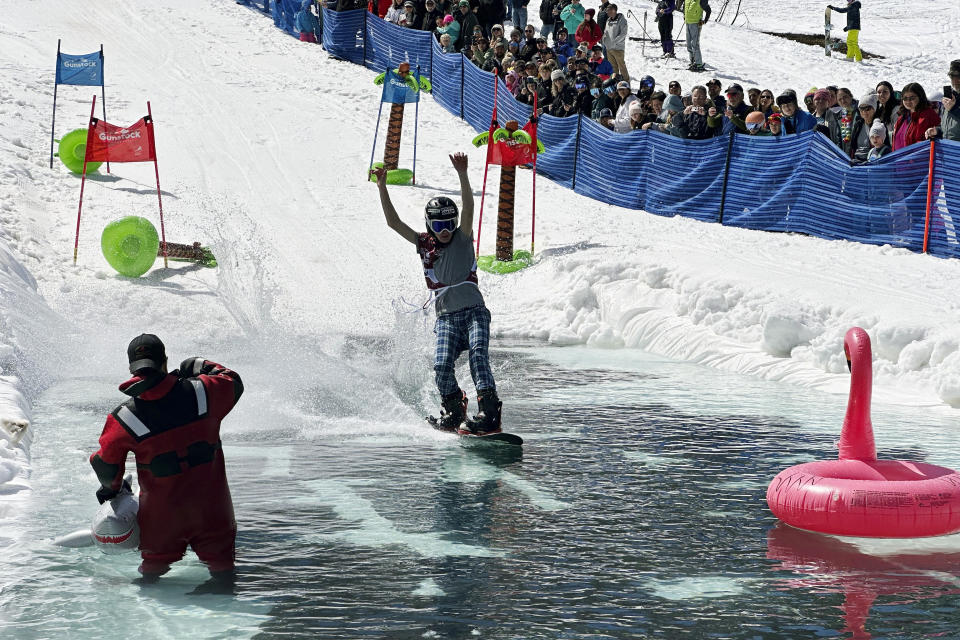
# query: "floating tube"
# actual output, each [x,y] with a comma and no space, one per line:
[71,150]
[490,264]
[858,495]
[394,176]
[130,245]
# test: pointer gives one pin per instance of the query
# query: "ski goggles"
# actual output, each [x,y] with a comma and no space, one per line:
[754,126]
[438,226]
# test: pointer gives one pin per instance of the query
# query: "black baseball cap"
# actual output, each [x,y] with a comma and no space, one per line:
[735,88]
[146,351]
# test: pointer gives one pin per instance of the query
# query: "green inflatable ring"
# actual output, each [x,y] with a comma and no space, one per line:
[130,245]
[490,264]
[71,150]
[394,176]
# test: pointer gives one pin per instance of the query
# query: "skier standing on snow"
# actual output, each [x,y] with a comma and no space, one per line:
[695,15]
[664,20]
[852,28]
[172,425]
[463,321]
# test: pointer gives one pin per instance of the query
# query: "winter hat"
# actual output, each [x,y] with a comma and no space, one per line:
[447,19]
[868,100]
[787,97]
[556,74]
[635,108]
[822,94]
[590,12]
[877,129]
[531,80]
[673,103]
[497,26]
[606,113]
[513,45]
[464,3]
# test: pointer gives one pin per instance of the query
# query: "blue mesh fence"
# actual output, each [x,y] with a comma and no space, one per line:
[945,201]
[447,71]
[800,183]
[336,26]
[388,45]
[283,14]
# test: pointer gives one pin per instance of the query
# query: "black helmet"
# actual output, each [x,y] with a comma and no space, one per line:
[441,208]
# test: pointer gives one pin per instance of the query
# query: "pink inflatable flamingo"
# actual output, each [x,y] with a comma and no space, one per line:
[858,495]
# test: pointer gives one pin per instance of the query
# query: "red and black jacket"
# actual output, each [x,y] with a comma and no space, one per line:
[172,426]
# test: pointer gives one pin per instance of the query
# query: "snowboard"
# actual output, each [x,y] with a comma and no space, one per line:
[498,438]
[826,32]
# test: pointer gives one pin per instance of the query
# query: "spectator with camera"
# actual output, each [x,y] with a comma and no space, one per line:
[949,127]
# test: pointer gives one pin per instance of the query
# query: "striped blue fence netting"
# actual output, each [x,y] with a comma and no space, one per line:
[793,183]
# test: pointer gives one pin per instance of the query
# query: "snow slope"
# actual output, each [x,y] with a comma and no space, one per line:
[263,143]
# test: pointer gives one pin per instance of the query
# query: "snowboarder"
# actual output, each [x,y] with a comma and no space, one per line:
[852,29]
[171,423]
[463,321]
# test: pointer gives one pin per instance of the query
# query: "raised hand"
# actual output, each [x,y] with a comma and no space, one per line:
[381,175]
[459,161]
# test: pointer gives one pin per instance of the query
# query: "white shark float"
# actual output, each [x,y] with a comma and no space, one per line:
[114,528]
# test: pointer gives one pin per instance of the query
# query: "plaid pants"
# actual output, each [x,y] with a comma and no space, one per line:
[457,332]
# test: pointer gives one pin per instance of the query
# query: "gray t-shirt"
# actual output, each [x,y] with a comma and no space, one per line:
[451,271]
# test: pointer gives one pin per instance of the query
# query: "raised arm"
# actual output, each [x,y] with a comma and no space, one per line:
[459,161]
[393,220]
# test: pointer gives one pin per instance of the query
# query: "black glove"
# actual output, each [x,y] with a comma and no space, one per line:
[104,494]
[192,367]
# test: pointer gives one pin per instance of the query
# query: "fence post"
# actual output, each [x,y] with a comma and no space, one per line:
[926,225]
[365,37]
[462,63]
[576,150]
[726,176]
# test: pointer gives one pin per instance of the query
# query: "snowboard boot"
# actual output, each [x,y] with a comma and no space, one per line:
[453,411]
[487,421]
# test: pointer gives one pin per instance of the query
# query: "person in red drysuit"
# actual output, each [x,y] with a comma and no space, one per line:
[171,423]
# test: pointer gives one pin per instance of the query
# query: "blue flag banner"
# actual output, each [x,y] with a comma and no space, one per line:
[85,70]
[397,91]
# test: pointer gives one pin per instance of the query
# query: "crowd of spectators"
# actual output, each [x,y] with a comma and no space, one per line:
[574,64]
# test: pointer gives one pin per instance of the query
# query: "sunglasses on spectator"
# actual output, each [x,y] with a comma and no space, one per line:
[766,96]
[580,85]
[439,226]
[609,91]
[753,126]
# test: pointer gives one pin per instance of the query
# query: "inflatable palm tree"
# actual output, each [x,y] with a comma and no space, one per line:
[400,86]
[511,146]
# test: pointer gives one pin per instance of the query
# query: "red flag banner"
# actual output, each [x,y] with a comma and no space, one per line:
[511,153]
[110,143]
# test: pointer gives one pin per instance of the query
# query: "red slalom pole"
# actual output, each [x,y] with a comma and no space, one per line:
[486,164]
[533,229]
[156,170]
[926,225]
[83,179]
